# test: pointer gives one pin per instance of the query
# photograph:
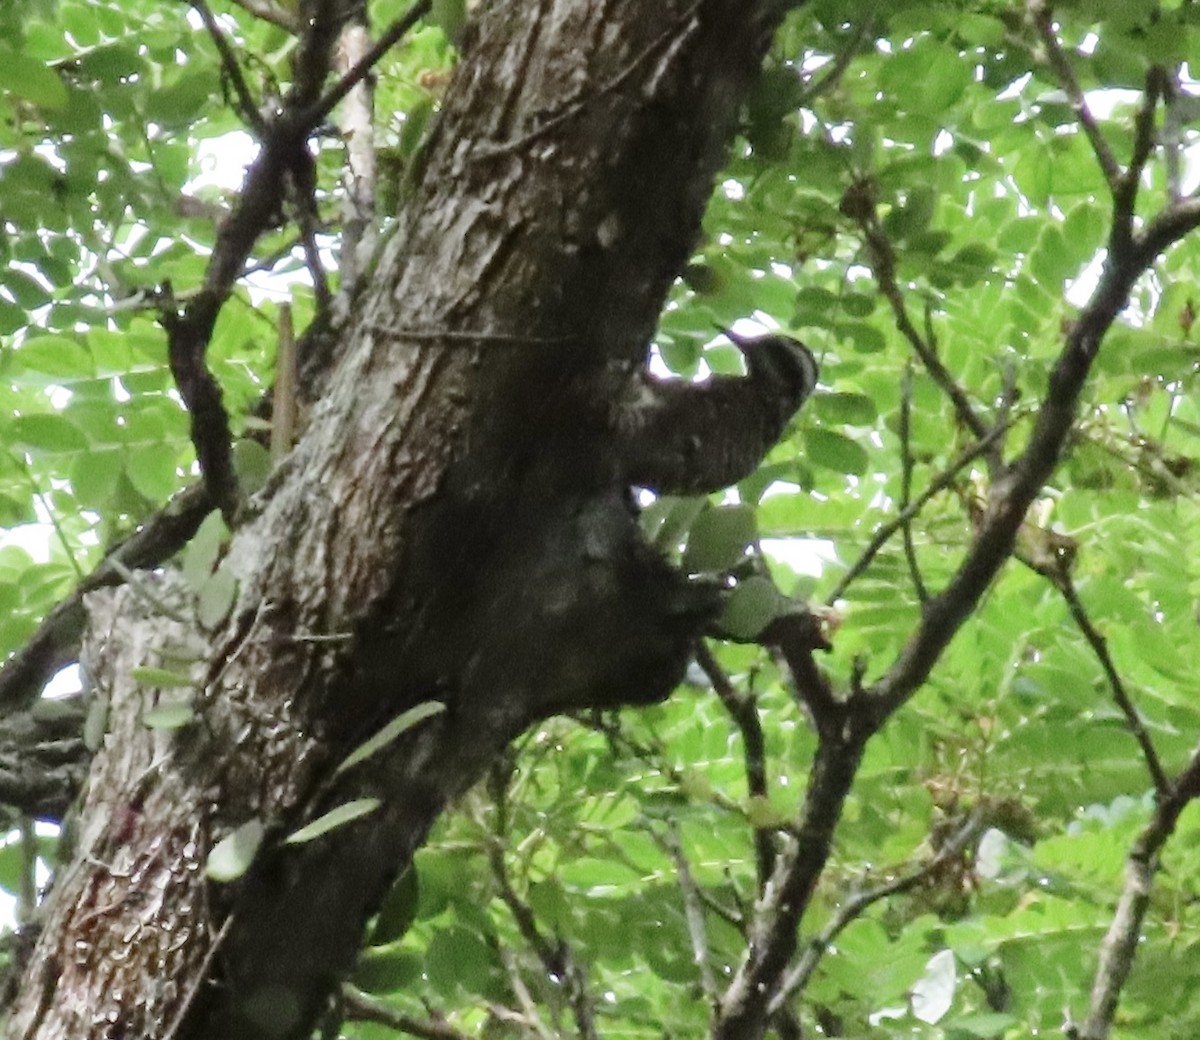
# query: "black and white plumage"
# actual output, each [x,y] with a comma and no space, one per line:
[681,438]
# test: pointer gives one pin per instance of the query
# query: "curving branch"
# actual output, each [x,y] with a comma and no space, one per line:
[359,1007]
[284,168]
[55,643]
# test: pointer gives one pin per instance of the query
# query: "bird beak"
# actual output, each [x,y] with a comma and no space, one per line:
[733,337]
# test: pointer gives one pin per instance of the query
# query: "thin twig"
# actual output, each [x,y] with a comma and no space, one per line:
[827,77]
[528,1016]
[883,266]
[1144,137]
[1099,646]
[390,37]
[857,904]
[693,911]
[362,1008]
[556,956]
[273,12]
[51,515]
[233,71]
[885,531]
[1042,20]
[906,475]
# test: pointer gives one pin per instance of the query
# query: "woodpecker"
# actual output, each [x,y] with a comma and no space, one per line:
[782,368]
[681,438]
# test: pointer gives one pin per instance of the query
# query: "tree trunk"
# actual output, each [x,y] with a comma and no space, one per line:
[451,527]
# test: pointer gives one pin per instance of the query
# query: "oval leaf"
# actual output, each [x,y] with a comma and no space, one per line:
[31,80]
[719,538]
[168,716]
[216,599]
[835,451]
[200,556]
[856,409]
[753,605]
[398,911]
[231,857]
[49,433]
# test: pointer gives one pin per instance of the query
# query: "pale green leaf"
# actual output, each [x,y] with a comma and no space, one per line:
[401,724]
[337,817]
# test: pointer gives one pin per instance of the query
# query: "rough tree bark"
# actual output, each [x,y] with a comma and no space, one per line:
[451,527]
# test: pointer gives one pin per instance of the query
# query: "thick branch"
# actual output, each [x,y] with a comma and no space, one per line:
[55,644]
[43,759]
[744,1008]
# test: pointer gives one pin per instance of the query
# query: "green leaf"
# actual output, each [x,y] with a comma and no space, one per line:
[763,815]
[169,715]
[866,339]
[401,724]
[49,434]
[201,553]
[855,409]
[161,678]
[719,538]
[152,469]
[252,463]
[750,607]
[399,909]
[388,970]
[834,451]
[53,360]
[343,814]
[95,477]
[30,80]
[458,959]
[216,598]
[231,857]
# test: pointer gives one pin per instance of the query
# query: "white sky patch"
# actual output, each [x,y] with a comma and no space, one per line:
[223,161]
[807,556]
